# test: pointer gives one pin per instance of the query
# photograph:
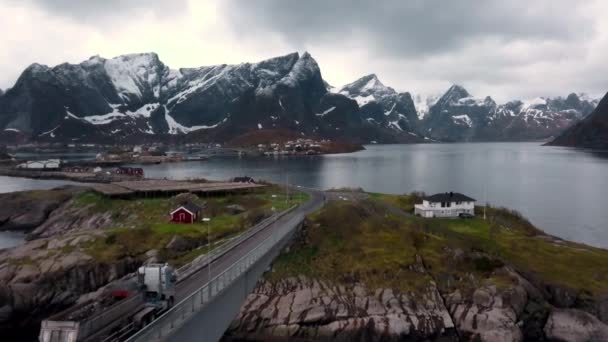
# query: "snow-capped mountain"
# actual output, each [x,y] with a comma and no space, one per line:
[137,97]
[383,106]
[458,116]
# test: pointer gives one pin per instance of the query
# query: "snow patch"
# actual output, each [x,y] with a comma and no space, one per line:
[390,110]
[423,103]
[177,128]
[462,119]
[329,110]
[363,100]
[145,111]
[50,132]
[539,101]
[259,126]
[395,124]
[12,130]
[470,101]
[129,72]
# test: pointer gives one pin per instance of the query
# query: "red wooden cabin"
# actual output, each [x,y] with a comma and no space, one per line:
[186,213]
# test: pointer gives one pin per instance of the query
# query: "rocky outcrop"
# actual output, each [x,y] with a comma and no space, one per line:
[27,210]
[491,315]
[317,310]
[310,309]
[46,275]
[575,325]
[69,217]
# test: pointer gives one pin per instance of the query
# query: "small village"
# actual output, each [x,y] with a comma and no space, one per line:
[293,147]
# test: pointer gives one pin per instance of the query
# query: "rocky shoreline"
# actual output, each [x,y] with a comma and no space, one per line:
[503,304]
[354,273]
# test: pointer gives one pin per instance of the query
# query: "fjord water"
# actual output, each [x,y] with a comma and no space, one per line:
[561,190]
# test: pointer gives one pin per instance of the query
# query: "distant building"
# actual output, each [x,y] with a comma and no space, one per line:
[130,171]
[51,164]
[186,213]
[449,204]
[76,169]
[245,179]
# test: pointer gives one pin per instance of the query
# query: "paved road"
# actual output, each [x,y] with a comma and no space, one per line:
[197,280]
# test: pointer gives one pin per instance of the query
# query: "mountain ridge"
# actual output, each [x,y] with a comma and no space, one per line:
[591,132]
[136,97]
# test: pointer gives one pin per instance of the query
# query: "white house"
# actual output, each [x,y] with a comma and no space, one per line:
[449,204]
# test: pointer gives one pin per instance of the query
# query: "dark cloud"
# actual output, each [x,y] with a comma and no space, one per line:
[407,28]
[96,11]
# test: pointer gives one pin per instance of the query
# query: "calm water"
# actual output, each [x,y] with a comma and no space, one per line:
[560,190]
[11,184]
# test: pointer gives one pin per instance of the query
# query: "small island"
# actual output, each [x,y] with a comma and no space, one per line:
[363,267]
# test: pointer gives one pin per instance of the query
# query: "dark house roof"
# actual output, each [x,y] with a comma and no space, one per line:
[449,197]
[191,207]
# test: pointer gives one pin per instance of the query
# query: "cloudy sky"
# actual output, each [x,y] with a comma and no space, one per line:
[507,49]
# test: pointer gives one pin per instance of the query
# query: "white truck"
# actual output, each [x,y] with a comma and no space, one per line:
[117,313]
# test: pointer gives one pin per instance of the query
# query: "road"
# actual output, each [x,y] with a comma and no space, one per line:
[197,280]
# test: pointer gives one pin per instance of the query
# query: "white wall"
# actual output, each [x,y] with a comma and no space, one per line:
[438,211]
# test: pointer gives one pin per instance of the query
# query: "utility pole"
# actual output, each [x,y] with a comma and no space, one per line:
[485,198]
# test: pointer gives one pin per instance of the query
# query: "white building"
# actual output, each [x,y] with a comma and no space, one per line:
[51,164]
[449,204]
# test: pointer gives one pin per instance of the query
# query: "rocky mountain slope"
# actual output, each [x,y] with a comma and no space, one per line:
[459,116]
[365,269]
[79,241]
[591,132]
[137,97]
[382,105]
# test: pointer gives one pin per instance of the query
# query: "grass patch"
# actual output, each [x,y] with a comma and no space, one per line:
[142,224]
[361,241]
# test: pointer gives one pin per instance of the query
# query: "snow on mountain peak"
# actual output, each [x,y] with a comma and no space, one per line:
[422,103]
[365,86]
[130,73]
[535,102]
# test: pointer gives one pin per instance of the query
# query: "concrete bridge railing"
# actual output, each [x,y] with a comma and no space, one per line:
[208,311]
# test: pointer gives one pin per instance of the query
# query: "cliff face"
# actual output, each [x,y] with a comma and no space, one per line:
[591,132]
[47,275]
[319,310]
[358,273]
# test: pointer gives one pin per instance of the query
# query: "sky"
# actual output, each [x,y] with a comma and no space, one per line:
[516,49]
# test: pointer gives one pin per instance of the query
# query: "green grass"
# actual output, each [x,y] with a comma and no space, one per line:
[140,225]
[403,202]
[349,242]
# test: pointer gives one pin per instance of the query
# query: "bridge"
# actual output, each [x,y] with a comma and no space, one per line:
[210,293]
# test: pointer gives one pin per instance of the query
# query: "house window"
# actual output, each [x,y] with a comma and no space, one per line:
[449,204]
[443,204]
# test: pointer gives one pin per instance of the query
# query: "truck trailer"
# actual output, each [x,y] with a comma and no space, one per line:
[118,312]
